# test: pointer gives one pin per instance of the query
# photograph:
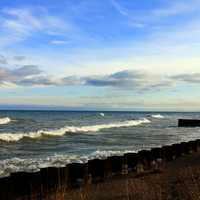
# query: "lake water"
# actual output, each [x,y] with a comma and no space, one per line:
[30,140]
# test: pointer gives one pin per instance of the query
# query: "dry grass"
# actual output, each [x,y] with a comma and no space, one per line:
[184,186]
[178,180]
[188,185]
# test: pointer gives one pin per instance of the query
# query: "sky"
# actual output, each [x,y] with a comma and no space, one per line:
[104,55]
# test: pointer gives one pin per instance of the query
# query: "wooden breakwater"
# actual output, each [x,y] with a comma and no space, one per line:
[39,185]
[188,123]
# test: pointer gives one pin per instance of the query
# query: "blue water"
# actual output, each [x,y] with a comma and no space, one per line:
[35,139]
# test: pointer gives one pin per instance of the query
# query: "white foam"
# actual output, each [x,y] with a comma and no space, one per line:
[102,114]
[158,116]
[58,160]
[5,120]
[102,154]
[13,137]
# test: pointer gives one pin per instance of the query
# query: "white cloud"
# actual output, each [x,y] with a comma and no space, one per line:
[120,8]
[18,24]
[3,60]
[165,49]
[7,85]
[21,21]
[137,81]
[153,14]
[59,42]
[188,78]
[177,7]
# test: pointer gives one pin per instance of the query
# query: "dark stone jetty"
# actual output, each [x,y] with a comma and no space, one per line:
[188,123]
[38,185]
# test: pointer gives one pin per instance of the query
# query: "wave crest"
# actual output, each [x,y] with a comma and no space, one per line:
[102,114]
[12,165]
[13,137]
[158,116]
[5,120]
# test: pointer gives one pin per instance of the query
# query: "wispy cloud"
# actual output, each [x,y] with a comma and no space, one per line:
[31,75]
[144,17]
[139,81]
[21,21]
[15,76]
[187,78]
[120,8]
[176,8]
[19,58]
[133,82]
[60,42]
[3,59]
[18,24]
[128,13]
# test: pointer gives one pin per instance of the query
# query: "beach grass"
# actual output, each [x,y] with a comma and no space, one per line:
[177,180]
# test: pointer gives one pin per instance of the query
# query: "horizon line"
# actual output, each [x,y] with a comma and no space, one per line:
[33,107]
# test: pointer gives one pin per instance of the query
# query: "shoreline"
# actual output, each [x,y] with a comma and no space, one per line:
[63,180]
[175,180]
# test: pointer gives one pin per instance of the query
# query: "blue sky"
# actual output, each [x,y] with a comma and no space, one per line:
[108,54]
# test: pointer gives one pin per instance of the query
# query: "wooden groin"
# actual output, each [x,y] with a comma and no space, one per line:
[188,123]
[38,185]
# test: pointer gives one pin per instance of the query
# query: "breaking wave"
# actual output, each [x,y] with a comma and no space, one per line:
[158,116]
[102,114]
[12,165]
[13,137]
[5,120]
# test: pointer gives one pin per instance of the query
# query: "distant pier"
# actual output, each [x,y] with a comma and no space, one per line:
[188,123]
